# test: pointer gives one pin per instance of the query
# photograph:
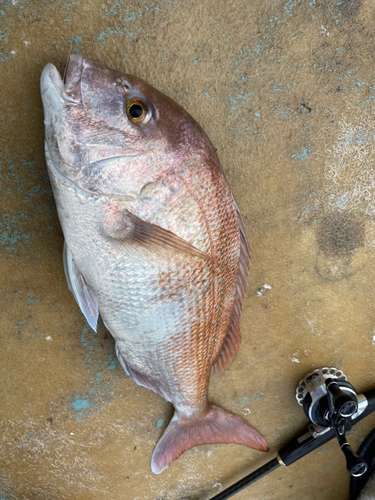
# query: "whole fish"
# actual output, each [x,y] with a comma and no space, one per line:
[154,241]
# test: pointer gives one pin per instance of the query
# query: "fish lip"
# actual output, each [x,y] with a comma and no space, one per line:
[51,78]
[74,69]
[70,91]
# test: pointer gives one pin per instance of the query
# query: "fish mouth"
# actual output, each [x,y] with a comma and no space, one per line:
[70,90]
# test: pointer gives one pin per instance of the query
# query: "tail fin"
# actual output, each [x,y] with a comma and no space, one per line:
[217,426]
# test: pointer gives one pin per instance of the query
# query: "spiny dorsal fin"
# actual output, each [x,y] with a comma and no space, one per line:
[233,338]
[125,227]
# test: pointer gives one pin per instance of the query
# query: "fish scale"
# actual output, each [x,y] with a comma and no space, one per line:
[154,242]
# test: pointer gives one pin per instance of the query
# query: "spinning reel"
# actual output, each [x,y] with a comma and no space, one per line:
[332,406]
[330,401]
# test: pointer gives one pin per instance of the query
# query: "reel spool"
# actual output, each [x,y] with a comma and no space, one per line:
[311,394]
[330,401]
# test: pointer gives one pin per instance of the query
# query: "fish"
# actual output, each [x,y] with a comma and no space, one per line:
[154,242]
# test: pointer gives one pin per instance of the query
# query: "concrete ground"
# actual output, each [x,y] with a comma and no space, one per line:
[285,91]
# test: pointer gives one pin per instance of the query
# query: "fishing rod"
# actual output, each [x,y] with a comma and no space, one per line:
[333,406]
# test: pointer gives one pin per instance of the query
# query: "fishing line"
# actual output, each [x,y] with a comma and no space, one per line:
[67,61]
[71,41]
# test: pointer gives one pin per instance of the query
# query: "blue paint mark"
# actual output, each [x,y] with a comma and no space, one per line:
[6,33]
[312,208]
[76,43]
[5,493]
[84,405]
[77,40]
[113,364]
[160,422]
[108,33]
[32,193]
[257,114]
[289,6]
[11,234]
[359,136]
[341,201]
[241,97]
[303,154]
[80,405]
[245,400]
[87,343]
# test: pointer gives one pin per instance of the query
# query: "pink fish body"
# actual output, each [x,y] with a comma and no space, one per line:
[154,241]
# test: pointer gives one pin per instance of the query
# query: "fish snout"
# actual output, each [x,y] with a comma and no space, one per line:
[50,78]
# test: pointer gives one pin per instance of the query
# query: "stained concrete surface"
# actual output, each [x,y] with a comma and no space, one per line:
[285,91]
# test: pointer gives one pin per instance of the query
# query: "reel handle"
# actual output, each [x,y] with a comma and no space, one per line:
[355,464]
[340,402]
[342,406]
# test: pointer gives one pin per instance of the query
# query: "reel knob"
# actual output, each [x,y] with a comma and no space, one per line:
[345,404]
[355,464]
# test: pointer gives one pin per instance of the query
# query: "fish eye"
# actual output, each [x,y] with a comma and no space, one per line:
[137,110]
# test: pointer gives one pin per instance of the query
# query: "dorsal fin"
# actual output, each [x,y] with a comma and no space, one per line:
[233,337]
[81,291]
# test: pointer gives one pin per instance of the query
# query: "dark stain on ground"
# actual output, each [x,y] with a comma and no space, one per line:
[348,8]
[306,107]
[339,12]
[340,234]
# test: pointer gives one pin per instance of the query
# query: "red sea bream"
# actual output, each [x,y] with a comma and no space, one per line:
[154,241]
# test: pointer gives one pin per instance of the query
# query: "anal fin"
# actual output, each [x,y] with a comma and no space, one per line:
[138,378]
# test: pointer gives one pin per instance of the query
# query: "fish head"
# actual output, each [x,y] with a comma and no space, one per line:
[113,133]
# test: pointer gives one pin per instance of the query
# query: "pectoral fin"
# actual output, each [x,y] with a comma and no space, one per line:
[81,291]
[124,227]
